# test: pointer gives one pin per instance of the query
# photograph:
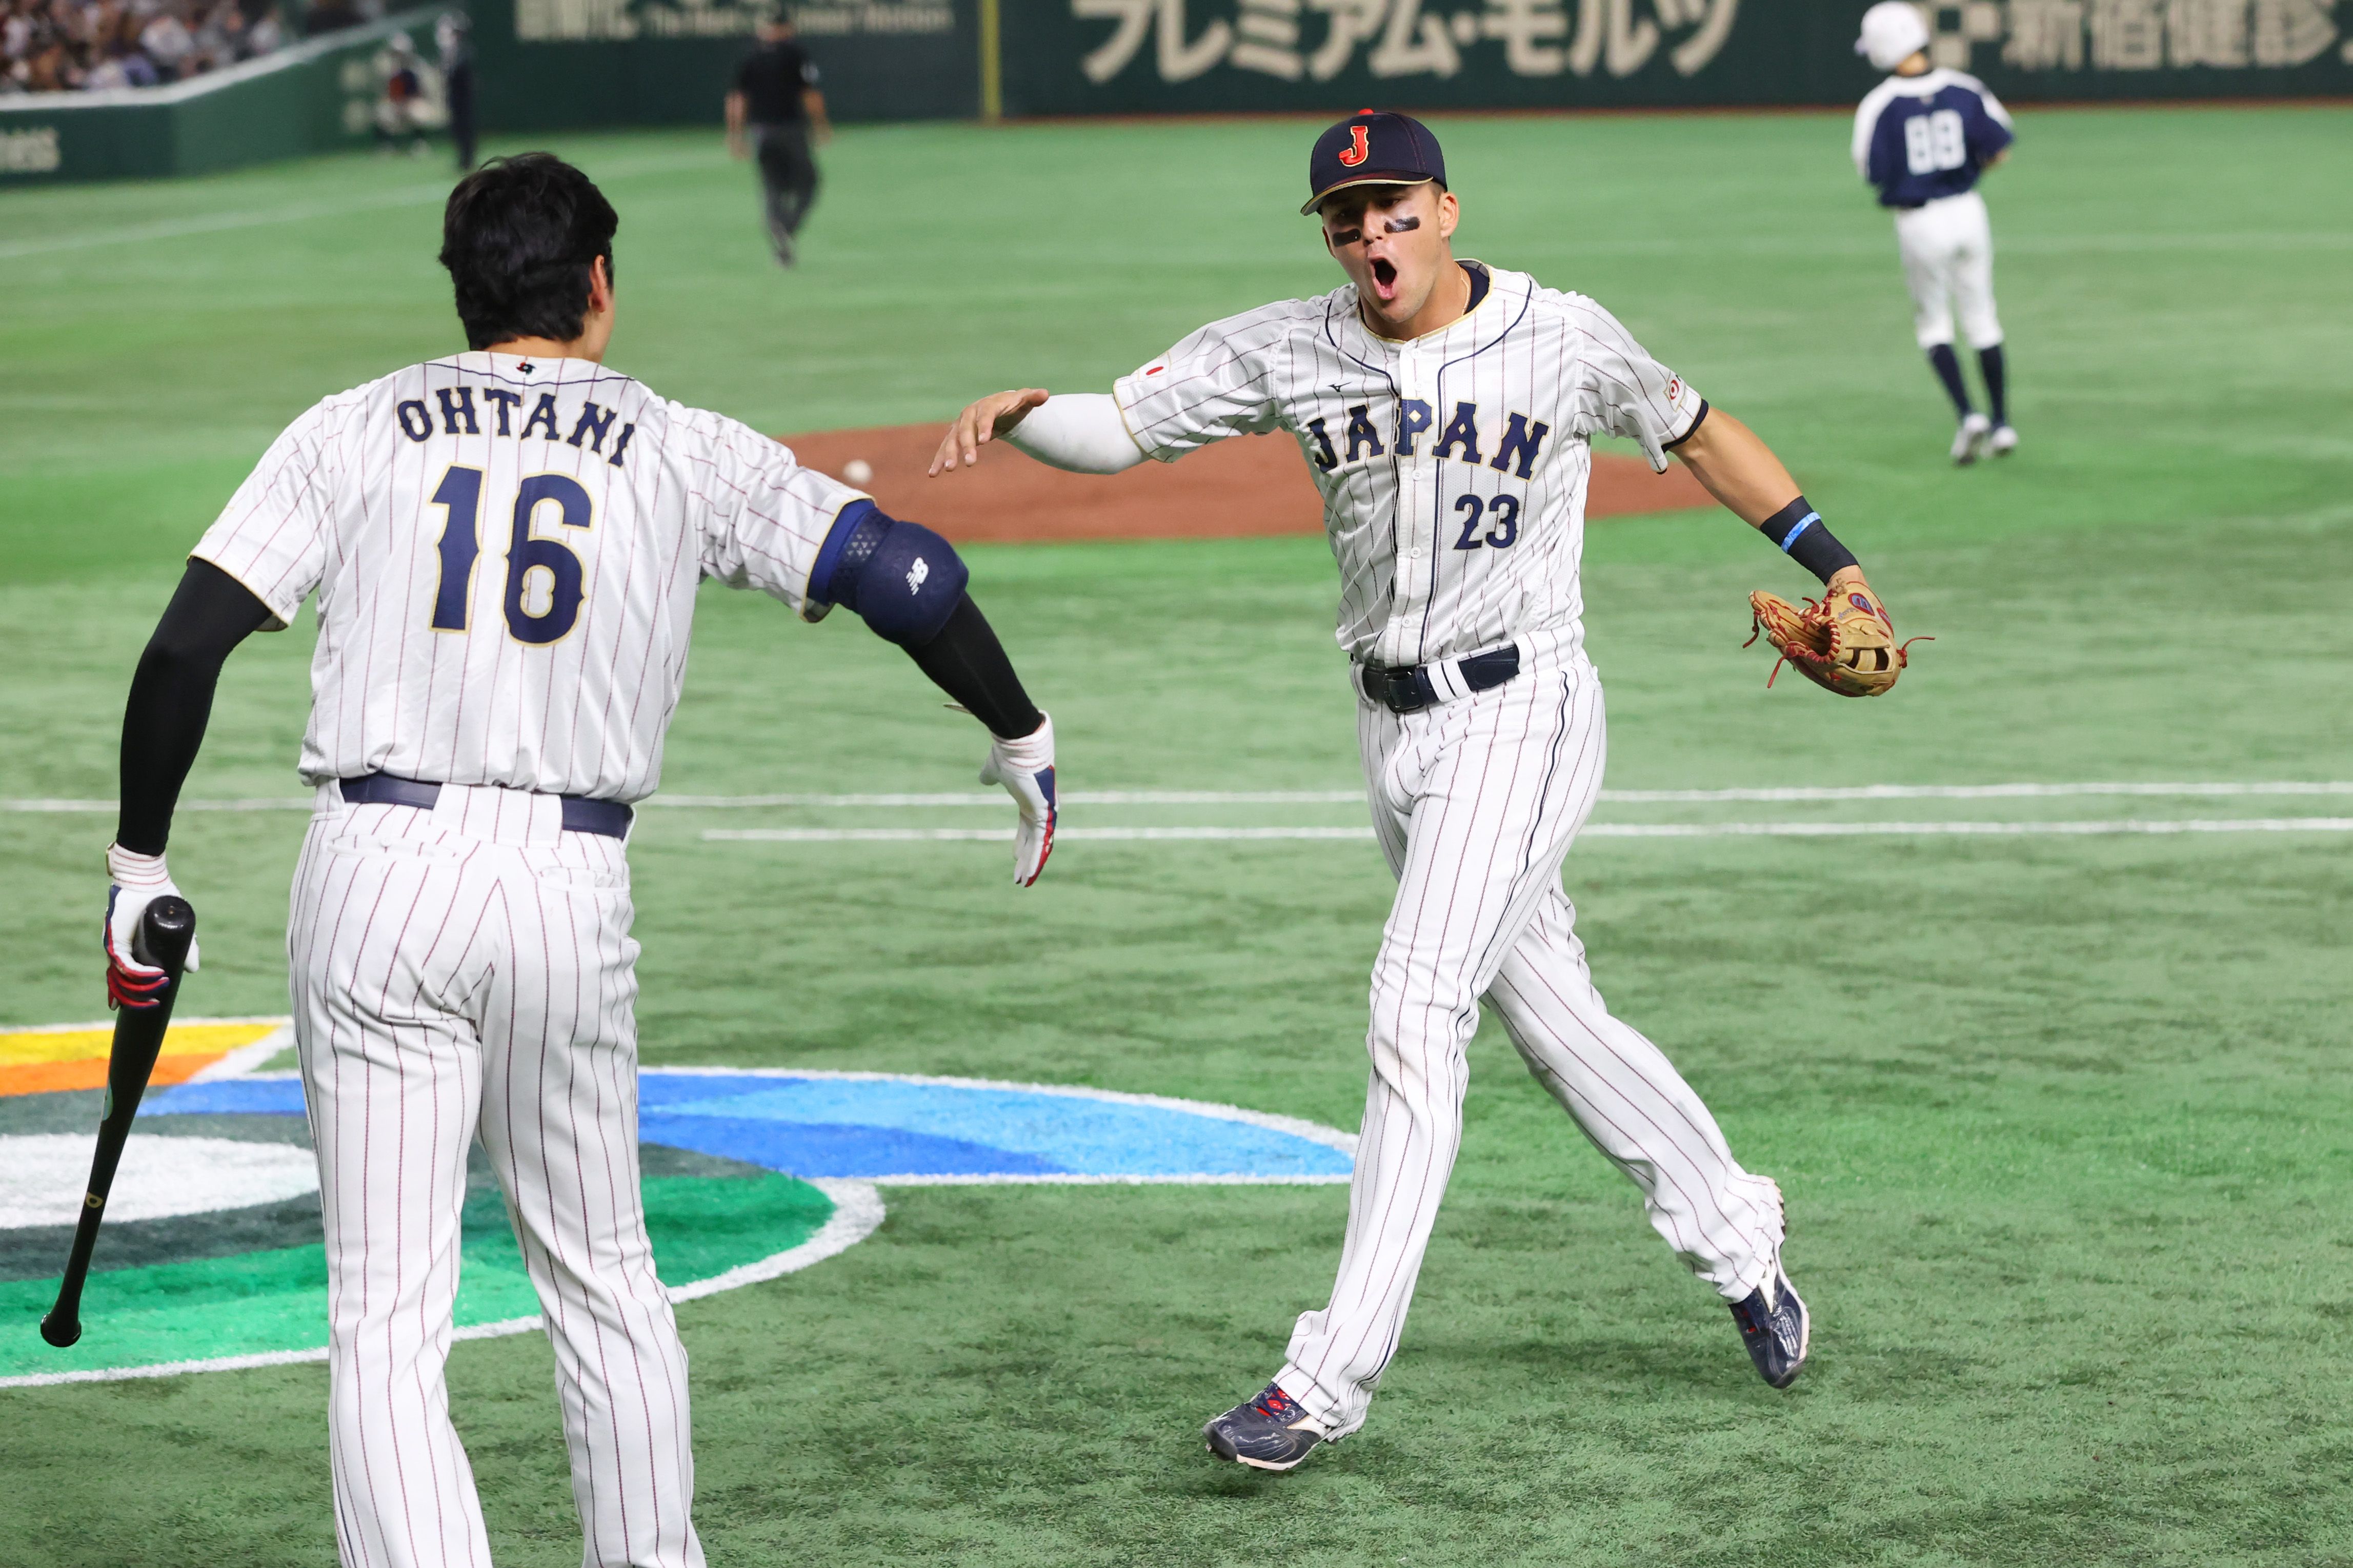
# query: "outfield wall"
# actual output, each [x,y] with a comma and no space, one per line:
[563,64]
[556,64]
[314,97]
[551,63]
[1118,56]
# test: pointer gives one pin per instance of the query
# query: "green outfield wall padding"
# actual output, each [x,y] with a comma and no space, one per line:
[315,97]
[555,64]
[551,63]
[1125,57]
[567,64]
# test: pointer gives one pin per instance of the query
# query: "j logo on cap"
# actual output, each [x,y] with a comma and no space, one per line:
[1373,147]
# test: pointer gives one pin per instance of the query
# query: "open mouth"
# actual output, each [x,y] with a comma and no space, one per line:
[1385,278]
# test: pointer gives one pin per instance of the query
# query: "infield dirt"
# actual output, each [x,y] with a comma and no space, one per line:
[1249,486]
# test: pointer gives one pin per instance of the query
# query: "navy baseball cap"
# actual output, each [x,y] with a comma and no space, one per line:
[1373,147]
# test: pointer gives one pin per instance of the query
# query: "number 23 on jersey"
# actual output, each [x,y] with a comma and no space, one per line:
[540,570]
[1500,512]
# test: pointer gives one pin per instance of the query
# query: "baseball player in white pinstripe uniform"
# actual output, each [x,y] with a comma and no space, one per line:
[1444,409]
[506,545]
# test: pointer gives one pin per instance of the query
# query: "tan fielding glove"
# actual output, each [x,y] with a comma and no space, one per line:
[1843,642]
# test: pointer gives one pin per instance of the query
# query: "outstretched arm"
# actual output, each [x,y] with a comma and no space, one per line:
[908,585]
[1740,470]
[1082,432]
[163,728]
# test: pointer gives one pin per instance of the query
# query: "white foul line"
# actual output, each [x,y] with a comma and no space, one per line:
[1005,835]
[1593,830]
[997,797]
[1978,792]
[1995,829]
[1340,796]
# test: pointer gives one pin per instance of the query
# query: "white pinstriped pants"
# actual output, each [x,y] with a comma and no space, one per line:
[1475,802]
[1947,251]
[468,968]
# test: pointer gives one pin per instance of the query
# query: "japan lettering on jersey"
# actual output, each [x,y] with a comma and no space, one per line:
[1452,468]
[506,553]
[1922,138]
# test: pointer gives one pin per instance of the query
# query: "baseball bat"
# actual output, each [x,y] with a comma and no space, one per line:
[166,930]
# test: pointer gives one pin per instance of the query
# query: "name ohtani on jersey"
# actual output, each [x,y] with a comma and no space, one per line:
[1453,467]
[505,552]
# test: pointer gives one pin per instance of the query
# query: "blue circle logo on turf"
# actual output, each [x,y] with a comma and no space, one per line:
[212,1255]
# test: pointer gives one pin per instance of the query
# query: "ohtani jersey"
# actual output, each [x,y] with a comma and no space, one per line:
[505,552]
[1922,138]
[1453,467]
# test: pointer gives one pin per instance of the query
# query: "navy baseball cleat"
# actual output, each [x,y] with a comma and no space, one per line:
[1775,1326]
[1270,1433]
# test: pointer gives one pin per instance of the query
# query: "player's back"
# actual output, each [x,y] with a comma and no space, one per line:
[1922,138]
[506,553]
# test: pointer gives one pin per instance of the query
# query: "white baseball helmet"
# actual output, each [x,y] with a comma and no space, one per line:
[1893,32]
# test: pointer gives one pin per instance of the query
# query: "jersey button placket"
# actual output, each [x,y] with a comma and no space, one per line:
[1413,513]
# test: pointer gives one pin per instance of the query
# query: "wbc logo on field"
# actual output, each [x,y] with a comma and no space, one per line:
[1357,149]
[213,1254]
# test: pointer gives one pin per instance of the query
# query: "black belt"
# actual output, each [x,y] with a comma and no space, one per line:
[1409,689]
[581,814]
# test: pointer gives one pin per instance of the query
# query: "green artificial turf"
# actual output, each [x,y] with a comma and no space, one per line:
[2064,1122]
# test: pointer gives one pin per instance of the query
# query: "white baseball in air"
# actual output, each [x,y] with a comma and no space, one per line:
[858,471]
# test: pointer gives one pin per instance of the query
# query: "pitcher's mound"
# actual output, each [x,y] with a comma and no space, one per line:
[1247,486]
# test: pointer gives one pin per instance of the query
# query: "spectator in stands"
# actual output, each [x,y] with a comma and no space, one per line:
[264,31]
[55,46]
[220,36]
[167,41]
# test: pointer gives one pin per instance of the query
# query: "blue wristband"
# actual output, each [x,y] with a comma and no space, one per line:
[1806,538]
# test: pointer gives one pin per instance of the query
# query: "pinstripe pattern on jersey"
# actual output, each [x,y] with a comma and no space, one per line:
[1475,805]
[467,970]
[1408,595]
[341,504]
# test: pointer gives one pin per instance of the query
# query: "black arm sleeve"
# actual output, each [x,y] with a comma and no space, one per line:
[172,698]
[966,661]
[1806,538]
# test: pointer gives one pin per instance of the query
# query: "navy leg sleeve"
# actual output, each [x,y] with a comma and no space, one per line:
[1947,367]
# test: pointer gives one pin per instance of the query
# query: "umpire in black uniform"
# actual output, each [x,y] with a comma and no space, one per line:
[777,114]
[454,33]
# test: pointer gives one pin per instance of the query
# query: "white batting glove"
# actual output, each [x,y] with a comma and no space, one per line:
[137,881]
[1026,768]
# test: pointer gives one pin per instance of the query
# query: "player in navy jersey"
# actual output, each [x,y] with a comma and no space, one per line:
[1922,138]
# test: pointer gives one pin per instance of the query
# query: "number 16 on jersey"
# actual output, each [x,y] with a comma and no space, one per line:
[542,571]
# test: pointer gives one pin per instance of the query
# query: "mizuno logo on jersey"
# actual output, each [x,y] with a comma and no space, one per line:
[457,419]
[1516,451]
